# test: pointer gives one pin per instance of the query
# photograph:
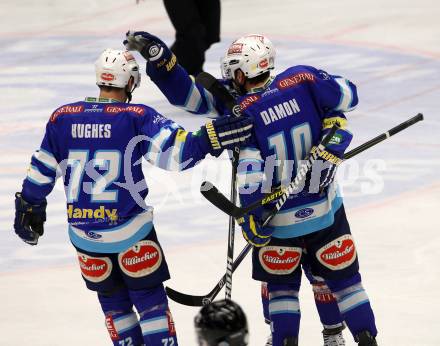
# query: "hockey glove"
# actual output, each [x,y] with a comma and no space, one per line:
[228,132]
[29,219]
[160,59]
[323,172]
[252,231]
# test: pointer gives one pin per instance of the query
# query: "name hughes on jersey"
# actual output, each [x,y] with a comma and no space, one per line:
[91,130]
[280,111]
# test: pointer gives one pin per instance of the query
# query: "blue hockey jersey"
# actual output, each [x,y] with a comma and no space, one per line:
[292,112]
[97,146]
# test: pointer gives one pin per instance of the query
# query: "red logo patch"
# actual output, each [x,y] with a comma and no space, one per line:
[107,76]
[263,63]
[258,37]
[171,326]
[235,48]
[338,254]
[280,260]
[95,269]
[247,101]
[264,290]
[111,328]
[117,109]
[66,110]
[135,109]
[141,259]
[322,293]
[295,80]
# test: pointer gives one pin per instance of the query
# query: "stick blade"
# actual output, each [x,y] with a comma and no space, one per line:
[213,195]
[186,299]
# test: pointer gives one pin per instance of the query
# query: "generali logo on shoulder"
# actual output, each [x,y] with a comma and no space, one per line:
[66,110]
[119,109]
[295,80]
[249,100]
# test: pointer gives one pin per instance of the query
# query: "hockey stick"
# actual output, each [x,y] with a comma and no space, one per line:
[211,84]
[194,300]
[295,185]
[212,194]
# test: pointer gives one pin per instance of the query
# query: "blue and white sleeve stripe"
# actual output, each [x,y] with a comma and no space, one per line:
[35,176]
[346,101]
[46,159]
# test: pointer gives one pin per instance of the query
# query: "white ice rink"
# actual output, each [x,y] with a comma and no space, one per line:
[389,48]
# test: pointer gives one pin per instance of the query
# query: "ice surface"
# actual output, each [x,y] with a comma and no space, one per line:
[391,49]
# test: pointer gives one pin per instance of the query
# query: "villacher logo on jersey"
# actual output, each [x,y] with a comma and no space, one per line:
[94,269]
[338,254]
[141,259]
[280,260]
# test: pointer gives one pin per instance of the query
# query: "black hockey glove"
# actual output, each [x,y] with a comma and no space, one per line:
[29,219]
[160,59]
[228,132]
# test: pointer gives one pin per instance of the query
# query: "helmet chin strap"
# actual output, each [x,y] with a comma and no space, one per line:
[239,88]
[129,93]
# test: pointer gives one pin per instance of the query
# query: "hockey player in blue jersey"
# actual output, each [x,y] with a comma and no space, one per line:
[96,145]
[292,111]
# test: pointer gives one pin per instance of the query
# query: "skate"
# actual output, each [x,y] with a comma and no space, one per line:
[269,341]
[365,339]
[287,342]
[334,337]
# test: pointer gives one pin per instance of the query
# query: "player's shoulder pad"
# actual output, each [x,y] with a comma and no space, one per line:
[68,109]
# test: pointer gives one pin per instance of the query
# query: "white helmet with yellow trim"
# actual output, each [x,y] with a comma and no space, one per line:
[252,54]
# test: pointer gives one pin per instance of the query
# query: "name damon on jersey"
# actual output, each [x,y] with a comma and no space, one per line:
[280,111]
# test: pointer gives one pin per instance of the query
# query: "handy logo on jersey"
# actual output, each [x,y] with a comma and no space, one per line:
[303,213]
[280,260]
[111,328]
[249,100]
[338,254]
[141,259]
[100,213]
[66,110]
[171,326]
[95,269]
[107,76]
[295,80]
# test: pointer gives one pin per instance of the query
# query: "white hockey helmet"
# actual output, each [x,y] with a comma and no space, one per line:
[115,67]
[252,54]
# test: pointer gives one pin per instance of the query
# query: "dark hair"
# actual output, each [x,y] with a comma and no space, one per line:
[107,88]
